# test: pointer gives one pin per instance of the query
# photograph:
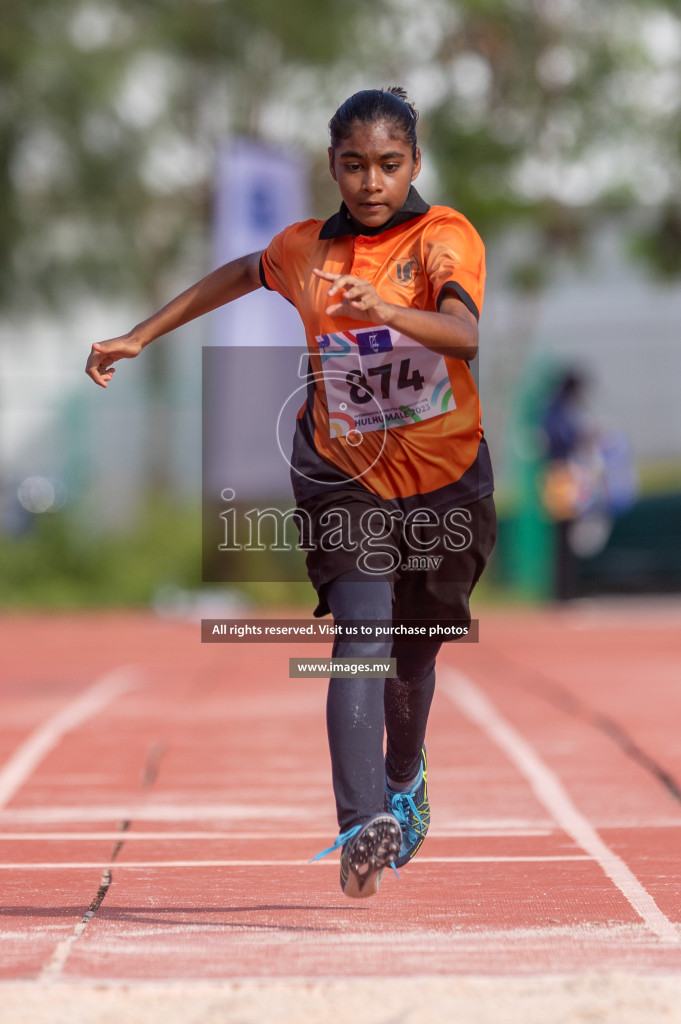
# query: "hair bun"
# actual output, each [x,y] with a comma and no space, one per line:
[401,94]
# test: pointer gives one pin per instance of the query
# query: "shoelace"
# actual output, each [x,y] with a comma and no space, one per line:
[341,840]
[401,804]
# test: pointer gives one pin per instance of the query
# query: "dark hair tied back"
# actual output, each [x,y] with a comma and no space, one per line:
[371,106]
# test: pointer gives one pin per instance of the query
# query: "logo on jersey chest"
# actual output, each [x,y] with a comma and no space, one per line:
[404,270]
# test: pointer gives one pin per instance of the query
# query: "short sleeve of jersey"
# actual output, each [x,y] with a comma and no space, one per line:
[455,260]
[274,264]
[282,261]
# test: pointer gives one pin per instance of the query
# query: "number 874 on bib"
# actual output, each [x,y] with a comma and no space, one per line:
[379,379]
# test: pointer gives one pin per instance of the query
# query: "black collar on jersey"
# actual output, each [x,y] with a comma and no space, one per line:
[343,223]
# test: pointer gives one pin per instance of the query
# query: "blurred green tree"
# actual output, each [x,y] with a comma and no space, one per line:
[110,116]
[557,109]
[111,111]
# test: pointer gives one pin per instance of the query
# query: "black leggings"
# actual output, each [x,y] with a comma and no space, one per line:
[358,709]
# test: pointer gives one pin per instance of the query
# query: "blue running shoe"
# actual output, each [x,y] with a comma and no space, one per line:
[412,810]
[367,850]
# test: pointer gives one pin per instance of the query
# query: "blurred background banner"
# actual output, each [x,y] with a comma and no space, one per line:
[259,191]
[251,395]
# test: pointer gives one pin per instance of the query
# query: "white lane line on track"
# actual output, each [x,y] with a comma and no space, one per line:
[222,837]
[57,962]
[190,811]
[143,811]
[220,814]
[122,865]
[26,758]
[550,791]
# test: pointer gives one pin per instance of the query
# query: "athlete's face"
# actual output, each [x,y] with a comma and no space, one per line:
[374,168]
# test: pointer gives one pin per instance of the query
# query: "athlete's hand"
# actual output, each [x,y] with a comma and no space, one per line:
[358,298]
[105,353]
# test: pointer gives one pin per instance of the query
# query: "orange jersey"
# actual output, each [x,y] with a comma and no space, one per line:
[383,410]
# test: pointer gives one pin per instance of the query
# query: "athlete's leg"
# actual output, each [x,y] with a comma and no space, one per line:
[407,701]
[442,595]
[355,715]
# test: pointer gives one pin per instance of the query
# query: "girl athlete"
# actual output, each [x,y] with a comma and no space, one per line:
[390,468]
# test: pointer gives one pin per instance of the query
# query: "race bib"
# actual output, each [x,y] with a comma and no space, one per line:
[378,379]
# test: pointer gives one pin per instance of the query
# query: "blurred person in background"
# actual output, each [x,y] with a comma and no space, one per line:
[589,478]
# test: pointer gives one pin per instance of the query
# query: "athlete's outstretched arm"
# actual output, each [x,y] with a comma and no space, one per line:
[228,282]
[453,331]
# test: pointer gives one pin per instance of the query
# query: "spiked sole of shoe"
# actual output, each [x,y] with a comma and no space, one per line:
[371,851]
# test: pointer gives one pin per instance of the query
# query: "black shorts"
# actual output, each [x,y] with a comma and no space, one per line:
[433,559]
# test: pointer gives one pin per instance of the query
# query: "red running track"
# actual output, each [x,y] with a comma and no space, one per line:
[159,800]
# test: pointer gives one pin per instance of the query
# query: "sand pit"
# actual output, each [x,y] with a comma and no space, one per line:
[583,999]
